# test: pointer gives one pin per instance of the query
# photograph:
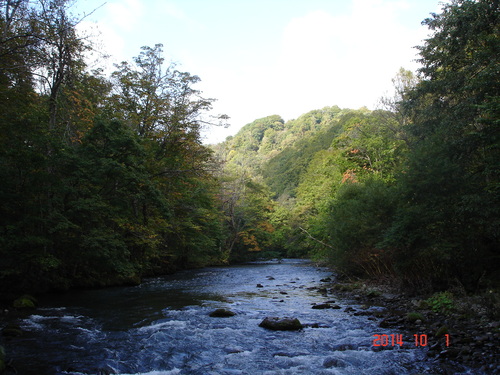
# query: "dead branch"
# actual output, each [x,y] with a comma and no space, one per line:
[315,239]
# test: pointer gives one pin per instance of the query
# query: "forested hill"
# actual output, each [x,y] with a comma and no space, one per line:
[106,180]
[409,192]
[269,146]
[298,166]
[264,138]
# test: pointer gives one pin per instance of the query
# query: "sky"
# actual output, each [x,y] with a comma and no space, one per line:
[263,57]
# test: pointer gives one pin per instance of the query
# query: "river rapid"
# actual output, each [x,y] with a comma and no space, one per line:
[163,327]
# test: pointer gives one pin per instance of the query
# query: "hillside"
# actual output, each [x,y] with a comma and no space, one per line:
[398,192]
[106,180]
[270,147]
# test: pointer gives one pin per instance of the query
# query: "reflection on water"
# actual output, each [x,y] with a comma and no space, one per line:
[163,327]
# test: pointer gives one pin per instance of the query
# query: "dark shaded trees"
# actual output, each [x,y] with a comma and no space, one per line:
[448,226]
[104,181]
[162,107]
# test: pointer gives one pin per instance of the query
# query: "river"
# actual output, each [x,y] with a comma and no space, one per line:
[163,327]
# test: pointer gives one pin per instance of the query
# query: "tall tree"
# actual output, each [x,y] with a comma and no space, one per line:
[450,222]
[86,200]
[164,109]
[247,208]
[396,115]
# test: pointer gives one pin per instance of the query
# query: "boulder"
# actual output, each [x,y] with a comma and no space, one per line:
[25,302]
[325,306]
[389,322]
[322,306]
[343,347]
[330,362]
[281,324]
[222,313]
[2,360]
[12,330]
[442,331]
[314,325]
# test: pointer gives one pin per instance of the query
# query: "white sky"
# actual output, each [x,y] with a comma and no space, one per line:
[265,57]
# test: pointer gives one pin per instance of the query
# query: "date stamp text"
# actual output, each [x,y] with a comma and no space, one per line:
[398,340]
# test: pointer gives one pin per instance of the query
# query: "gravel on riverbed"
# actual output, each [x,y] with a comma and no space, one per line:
[464,332]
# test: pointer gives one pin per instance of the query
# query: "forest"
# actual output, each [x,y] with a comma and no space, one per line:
[106,180]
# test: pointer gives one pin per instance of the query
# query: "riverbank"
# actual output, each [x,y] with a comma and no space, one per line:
[452,327]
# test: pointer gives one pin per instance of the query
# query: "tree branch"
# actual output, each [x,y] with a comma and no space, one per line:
[315,239]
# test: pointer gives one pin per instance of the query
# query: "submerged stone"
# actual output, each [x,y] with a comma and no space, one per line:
[222,313]
[322,306]
[325,306]
[334,362]
[12,330]
[281,324]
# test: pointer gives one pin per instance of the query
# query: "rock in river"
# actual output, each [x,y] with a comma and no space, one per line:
[222,313]
[322,306]
[281,324]
[333,362]
[25,302]
[325,306]
[12,330]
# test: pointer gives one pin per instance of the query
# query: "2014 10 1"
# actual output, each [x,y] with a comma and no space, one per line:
[397,339]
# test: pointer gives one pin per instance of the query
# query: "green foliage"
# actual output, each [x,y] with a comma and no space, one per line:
[247,207]
[414,316]
[283,172]
[447,223]
[357,217]
[441,302]
[443,330]
[318,152]
[253,144]
[24,302]
[87,200]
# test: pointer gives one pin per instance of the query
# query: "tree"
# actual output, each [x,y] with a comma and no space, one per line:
[396,116]
[450,210]
[157,102]
[105,179]
[19,41]
[355,220]
[60,56]
[167,113]
[87,200]
[247,207]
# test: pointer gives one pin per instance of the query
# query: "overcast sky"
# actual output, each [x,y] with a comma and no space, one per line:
[265,57]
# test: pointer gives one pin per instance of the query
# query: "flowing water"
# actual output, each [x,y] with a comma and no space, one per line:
[163,327]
